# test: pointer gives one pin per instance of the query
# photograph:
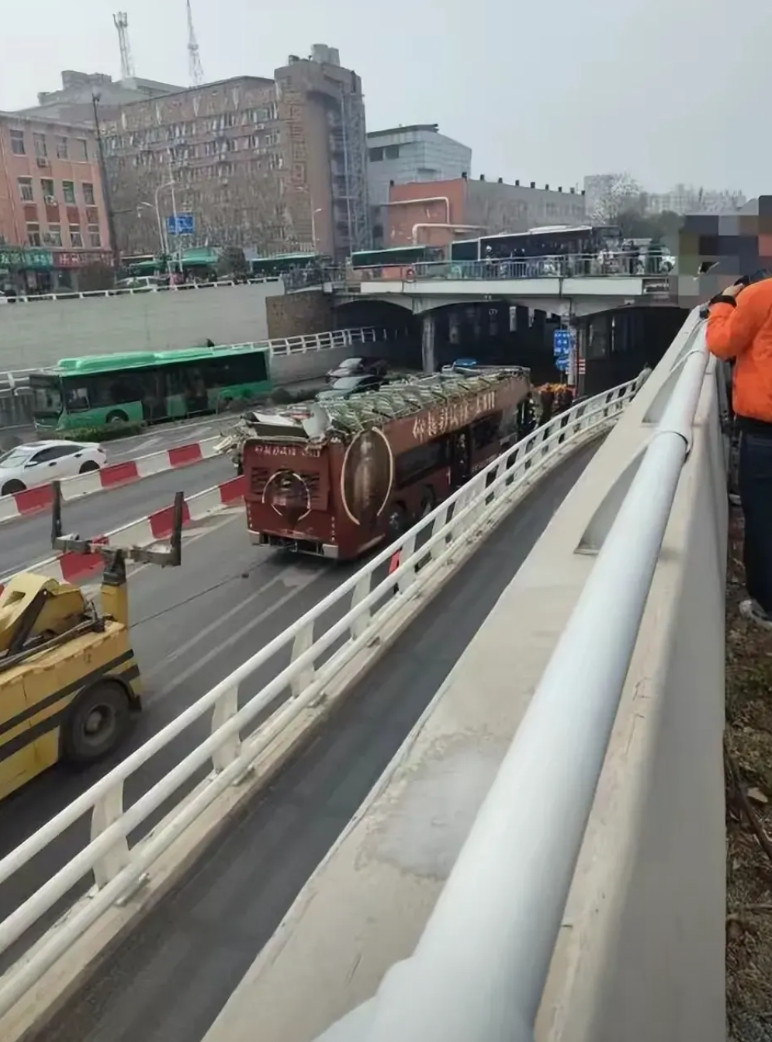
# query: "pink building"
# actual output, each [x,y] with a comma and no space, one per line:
[53,219]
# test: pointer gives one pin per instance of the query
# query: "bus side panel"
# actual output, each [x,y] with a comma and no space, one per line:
[98,417]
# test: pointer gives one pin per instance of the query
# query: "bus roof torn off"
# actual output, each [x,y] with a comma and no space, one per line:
[341,419]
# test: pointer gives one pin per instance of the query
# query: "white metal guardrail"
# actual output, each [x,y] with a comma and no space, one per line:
[131,291]
[479,968]
[18,380]
[230,749]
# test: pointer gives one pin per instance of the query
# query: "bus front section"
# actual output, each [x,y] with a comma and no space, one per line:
[47,401]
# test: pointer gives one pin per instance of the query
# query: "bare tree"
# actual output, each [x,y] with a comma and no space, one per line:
[619,194]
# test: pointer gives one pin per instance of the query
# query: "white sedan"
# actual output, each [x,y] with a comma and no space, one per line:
[43,461]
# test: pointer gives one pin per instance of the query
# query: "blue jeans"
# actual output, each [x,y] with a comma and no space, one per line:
[755,487]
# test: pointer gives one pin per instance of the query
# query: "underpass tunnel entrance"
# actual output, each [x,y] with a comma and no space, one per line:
[493,332]
[618,344]
[402,349]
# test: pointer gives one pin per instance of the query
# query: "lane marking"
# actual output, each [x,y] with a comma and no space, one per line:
[234,637]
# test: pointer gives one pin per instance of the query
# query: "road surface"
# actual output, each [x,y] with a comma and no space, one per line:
[170,978]
[27,540]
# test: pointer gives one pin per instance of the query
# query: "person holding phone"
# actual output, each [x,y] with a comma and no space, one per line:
[739,330]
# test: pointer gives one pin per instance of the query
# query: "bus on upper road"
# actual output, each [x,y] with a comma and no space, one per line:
[338,477]
[272,267]
[147,387]
[394,263]
[550,241]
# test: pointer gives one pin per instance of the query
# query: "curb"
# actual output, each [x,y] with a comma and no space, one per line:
[71,567]
[33,500]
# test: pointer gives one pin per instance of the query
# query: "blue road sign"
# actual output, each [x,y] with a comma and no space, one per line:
[181,224]
[562,342]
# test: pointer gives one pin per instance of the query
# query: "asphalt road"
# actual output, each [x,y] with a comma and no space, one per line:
[171,977]
[27,540]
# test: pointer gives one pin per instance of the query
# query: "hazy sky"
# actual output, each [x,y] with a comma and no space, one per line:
[669,90]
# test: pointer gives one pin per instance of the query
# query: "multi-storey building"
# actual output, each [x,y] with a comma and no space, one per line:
[53,221]
[73,102]
[437,214]
[402,155]
[273,166]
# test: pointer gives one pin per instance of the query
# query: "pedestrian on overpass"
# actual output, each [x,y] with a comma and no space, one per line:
[740,330]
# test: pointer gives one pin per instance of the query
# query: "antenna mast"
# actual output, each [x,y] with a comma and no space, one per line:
[195,69]
[121,21]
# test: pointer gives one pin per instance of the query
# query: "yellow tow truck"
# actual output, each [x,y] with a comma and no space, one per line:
[69,680]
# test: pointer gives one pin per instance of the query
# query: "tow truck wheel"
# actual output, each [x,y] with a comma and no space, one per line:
[97,722]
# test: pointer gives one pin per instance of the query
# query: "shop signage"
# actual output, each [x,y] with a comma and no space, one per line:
[26,259]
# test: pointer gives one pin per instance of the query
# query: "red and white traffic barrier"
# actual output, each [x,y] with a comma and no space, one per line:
[156,527]
[32,500]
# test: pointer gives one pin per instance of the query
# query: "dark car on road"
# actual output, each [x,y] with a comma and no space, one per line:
[345,386]
[358,367]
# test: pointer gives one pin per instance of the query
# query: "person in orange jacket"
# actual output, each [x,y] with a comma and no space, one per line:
[740,330]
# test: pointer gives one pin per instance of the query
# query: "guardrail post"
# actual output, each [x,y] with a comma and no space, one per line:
[106,812]
[302,643]
[406,551]
[441,522]
[226,707]
[360,592]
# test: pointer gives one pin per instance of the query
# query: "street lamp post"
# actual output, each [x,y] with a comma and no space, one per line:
[164,241]
[314,212]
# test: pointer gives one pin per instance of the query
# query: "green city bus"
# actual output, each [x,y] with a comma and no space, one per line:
[280,264]
[147,387]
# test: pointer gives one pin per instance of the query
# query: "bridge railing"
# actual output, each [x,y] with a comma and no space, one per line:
[132,291]
[567,265]
[239,731]
[479,968]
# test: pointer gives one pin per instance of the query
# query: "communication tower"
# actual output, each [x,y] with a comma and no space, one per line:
[121,21]
[194,60]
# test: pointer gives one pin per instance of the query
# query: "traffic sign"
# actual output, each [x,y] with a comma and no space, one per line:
[181,224]
[562,341]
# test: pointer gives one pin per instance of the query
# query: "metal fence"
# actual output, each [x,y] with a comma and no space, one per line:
[131,291]
[239,731]
[570,265]
[479,969]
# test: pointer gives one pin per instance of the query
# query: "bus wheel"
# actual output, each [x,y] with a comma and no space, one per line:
[428,501]
[98,721]
[397,523]
[117,416]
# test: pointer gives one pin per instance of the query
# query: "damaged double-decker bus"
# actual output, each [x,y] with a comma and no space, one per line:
[336,478]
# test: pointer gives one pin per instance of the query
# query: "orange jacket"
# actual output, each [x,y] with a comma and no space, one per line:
[744,332]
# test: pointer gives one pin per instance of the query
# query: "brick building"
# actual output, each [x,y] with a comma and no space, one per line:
[272,165]
[439,212]
[53,221]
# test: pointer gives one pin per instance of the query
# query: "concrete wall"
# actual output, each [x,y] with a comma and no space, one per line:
[294,368]
[297,314]
[42,332]
[641,951]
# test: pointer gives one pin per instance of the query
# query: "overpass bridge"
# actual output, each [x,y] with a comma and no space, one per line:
[487,806]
